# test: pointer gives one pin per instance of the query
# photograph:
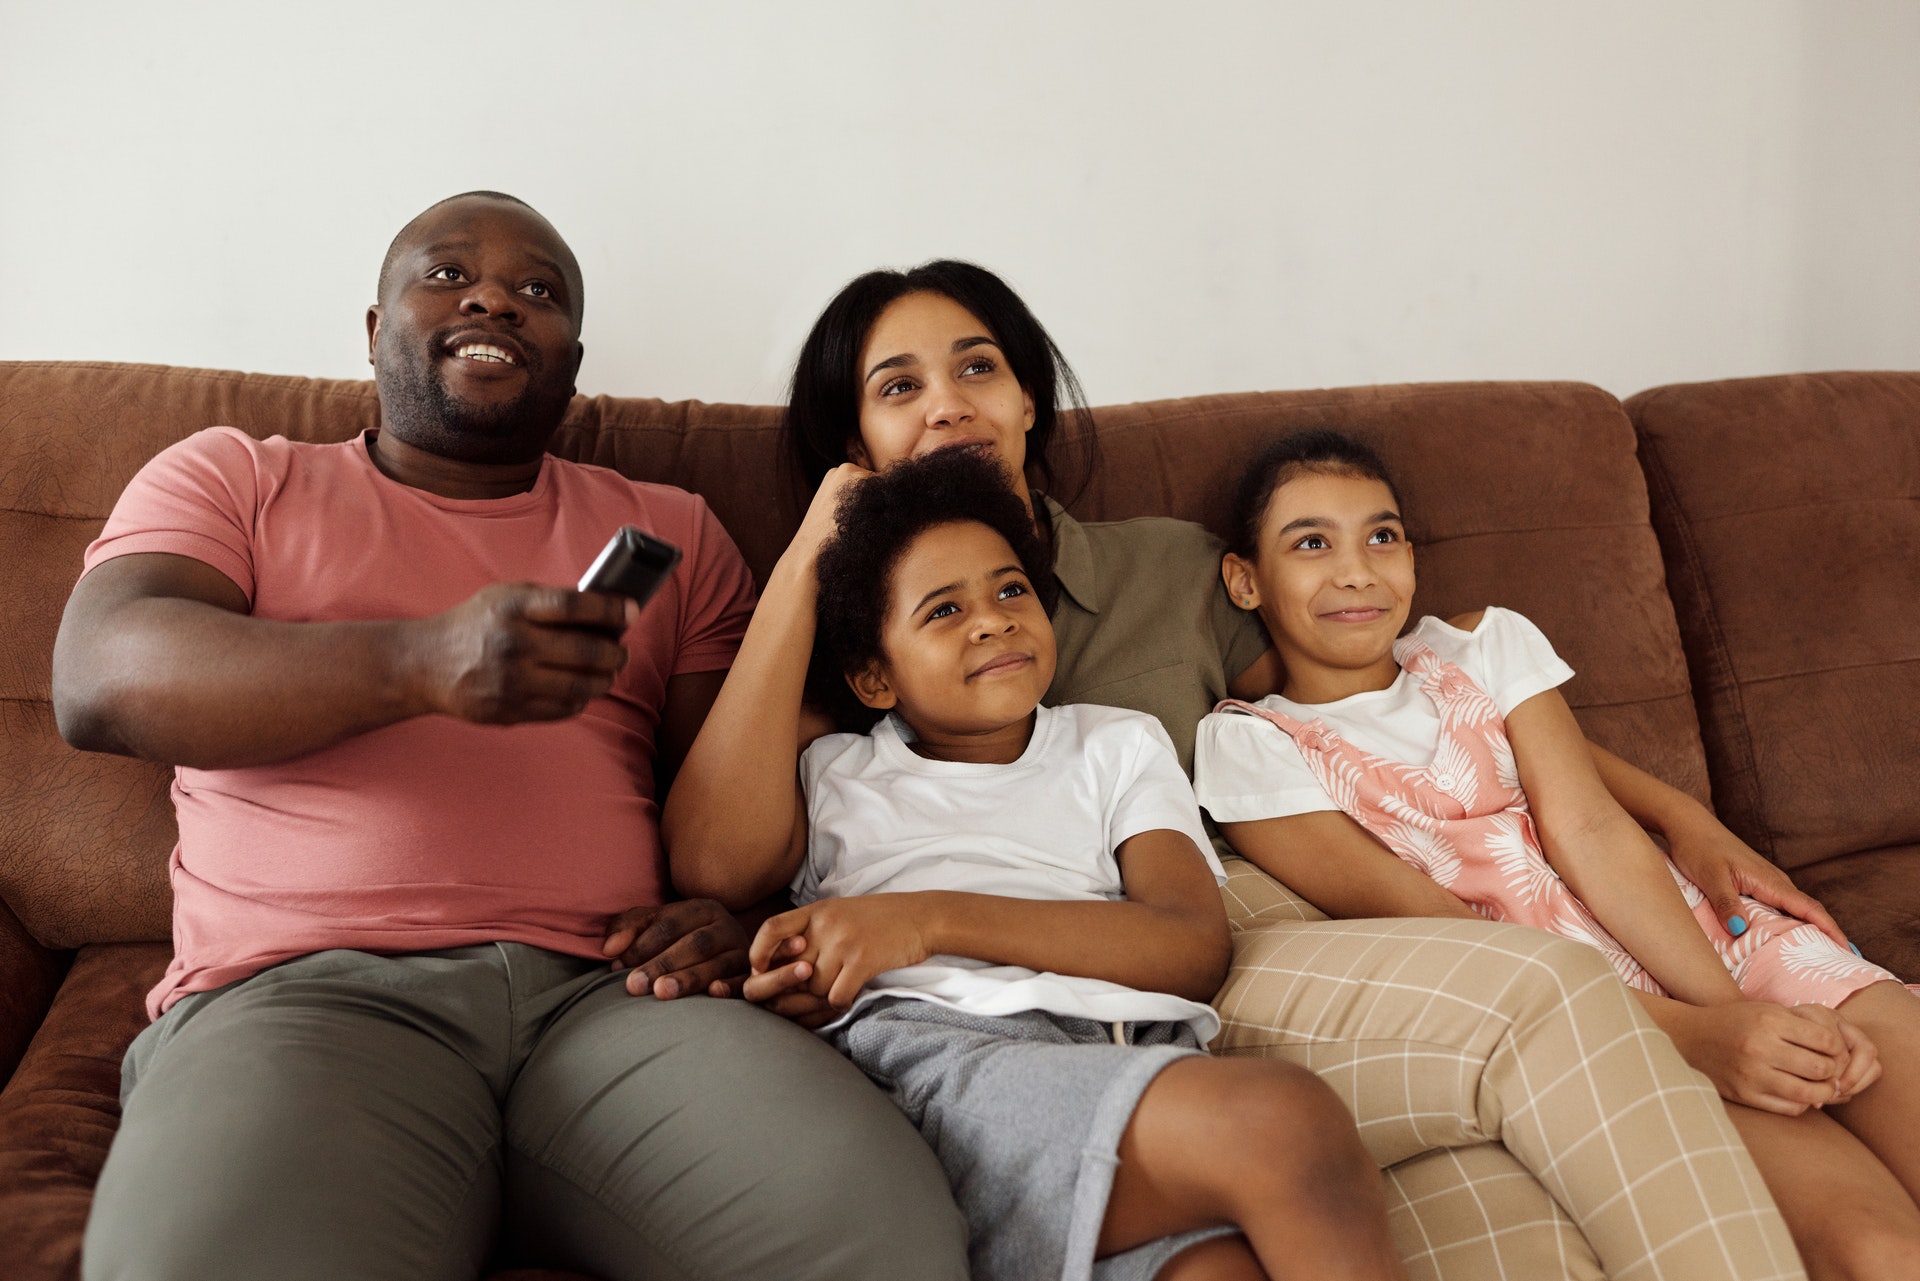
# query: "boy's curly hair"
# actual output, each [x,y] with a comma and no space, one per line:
[877,521]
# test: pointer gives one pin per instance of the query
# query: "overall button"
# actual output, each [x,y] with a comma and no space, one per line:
[1444,782]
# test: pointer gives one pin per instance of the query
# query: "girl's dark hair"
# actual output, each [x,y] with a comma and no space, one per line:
[1317,450]
[877,521]
[823,403]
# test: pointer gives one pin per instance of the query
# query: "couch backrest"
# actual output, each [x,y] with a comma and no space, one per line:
[1519,494]
[1789,510]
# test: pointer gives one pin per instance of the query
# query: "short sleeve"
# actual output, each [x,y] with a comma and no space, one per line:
[1155,794]
[720,597]
[814,762]
[197,498]
[1508,657]
[1246,768]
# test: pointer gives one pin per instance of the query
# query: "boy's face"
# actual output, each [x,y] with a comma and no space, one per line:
[967,647]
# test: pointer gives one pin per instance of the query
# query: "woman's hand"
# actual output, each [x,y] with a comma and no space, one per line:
[818,525]
[1725,867]
[1770,1057]
[847,942]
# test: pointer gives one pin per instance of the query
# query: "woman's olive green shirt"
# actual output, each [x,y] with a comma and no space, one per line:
[1144,621]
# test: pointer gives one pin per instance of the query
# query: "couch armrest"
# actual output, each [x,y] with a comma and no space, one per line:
[29,976]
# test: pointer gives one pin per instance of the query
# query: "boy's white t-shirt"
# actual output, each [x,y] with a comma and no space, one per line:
[882,819]
[1246,768]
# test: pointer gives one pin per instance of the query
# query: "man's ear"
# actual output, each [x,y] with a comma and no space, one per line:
[870,686]
[1242,587]
[373,329]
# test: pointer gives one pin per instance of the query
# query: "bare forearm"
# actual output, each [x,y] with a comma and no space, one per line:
[1153,948]
[1338,867]
[729,820]
[187,683]
[1620,875]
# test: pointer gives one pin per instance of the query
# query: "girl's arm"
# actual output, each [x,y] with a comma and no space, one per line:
[1713,858]
[734,826]
[1340,867]
[1168,935]
[1768,1056]
[1606,858]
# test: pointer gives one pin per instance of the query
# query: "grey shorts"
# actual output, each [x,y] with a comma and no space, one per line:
[1025,1111]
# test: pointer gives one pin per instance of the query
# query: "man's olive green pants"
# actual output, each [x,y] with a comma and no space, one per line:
[347,1115]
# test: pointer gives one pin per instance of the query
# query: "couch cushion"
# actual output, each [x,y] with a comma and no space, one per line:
[1789,510]
[59,1112]
[1873,896]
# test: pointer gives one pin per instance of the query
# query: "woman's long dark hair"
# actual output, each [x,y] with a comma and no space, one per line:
[823,404]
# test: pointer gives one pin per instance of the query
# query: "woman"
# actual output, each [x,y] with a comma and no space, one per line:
[1439,1035]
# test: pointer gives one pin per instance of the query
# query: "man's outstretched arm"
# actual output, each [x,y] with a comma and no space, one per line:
[158,657]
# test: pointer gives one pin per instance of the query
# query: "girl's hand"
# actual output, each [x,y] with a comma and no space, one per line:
[1863,1058]
[817,526]
[1765,1056]
[848,942]
[784,991]
[1724,868]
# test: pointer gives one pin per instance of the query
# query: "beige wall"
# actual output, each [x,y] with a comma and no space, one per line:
[1195,197]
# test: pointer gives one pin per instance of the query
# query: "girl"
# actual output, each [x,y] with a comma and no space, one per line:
[1451,749]
[1012,910]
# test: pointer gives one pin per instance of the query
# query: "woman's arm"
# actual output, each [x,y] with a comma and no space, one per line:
[1713,858]
[1168,935]
[734,825]
[1340,867]
[1606,858]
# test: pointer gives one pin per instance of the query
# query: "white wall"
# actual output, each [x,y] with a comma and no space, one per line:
[1194,197]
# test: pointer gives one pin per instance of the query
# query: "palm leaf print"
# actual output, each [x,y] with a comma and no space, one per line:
[1526,870]
[1454,763]
[1506,770]
[1429,851]
[1809,954]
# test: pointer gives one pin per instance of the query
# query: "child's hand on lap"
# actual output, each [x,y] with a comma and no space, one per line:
[847,942]
[1773,1058]
[1863,1057]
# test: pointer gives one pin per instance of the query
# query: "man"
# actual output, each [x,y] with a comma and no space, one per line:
[415,792]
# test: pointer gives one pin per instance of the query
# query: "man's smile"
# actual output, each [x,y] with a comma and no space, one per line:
[486,349]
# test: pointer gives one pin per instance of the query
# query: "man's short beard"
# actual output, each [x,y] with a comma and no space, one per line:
[417,407]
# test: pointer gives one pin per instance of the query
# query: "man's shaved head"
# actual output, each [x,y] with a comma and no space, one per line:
[403,241]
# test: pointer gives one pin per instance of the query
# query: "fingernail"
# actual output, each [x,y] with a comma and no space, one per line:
[1736,926]
[669,987]
[1857,952]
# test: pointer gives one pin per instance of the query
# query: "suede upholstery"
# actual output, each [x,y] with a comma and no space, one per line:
[1789,512]
[1527,495]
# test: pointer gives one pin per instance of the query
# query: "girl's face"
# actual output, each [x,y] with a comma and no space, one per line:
[968,648]
[1333,582]
[931,376]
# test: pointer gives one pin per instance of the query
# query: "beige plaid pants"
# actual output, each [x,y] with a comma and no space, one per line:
[1531,1119]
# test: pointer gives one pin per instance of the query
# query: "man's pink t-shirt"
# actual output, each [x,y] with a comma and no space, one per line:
[433,832]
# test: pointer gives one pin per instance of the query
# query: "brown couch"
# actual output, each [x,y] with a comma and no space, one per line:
[1733,569]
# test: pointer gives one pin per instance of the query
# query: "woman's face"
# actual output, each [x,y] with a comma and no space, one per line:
[932,376]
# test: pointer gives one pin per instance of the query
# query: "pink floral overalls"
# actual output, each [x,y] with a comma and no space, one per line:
[1463,820]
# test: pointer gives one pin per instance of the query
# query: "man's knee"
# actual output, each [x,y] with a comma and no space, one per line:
[712,1133]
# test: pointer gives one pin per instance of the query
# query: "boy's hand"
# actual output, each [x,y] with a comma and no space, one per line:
[847,941]
[678,949]
[1767,1056]
[784,989]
